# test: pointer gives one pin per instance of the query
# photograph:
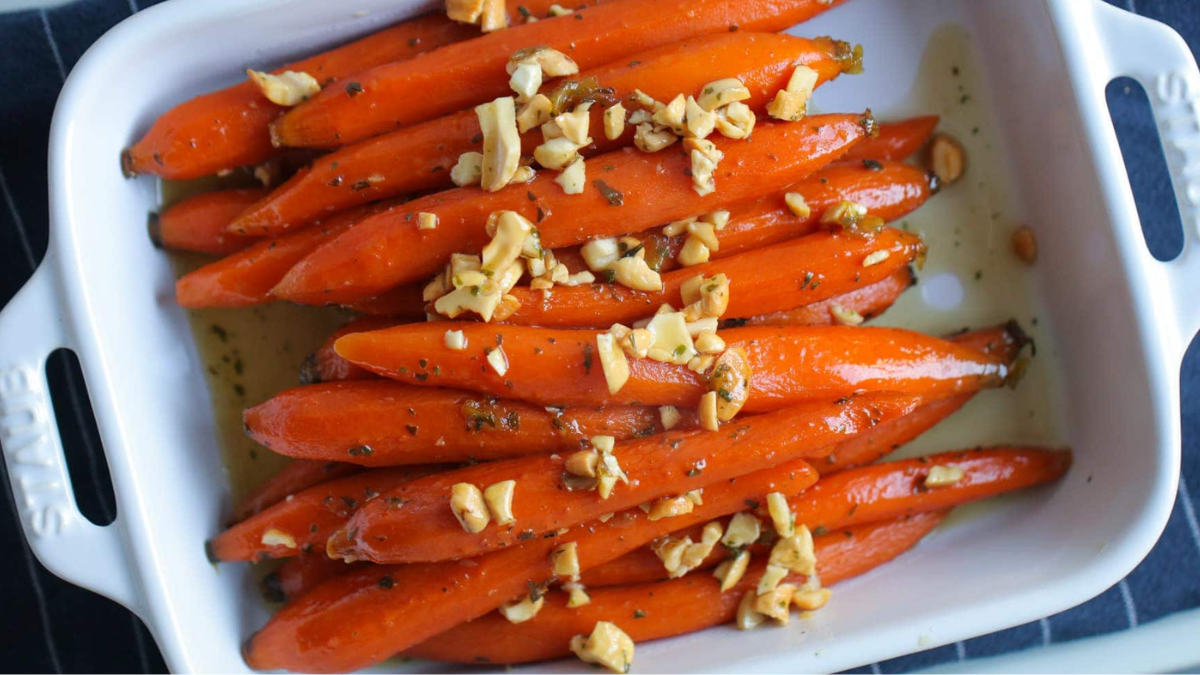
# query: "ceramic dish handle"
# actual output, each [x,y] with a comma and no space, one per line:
[1160,60]
[64,541]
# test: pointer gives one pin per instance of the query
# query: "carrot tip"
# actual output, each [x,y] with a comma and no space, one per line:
[154,227]
[310,372]
[1018,336]
[272,589]
[127,164]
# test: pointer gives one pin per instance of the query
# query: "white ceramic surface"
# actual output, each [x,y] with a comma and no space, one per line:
[1123,322]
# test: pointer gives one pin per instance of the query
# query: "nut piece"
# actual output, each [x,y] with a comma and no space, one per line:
[501,142]
[599,254]
[634,272]
[466,501]
[526,79]
[947,158]
[608,646]
[499,499]
[556,153]
[427,221]
[791,104]
[770,579]
[672,343]
[564,560]
[277,537]
[845,317]
[498,360]
[1025,244]
[575,124]
[811,600]
[582,463]
[796,204]
[705,157]
[669,416]
[731,570]
[714,295]
[507,242]
[670,551]
[749,618]
[464,11]
[796,552]
[608,472]
[671,115]
[456,340]
[552,62]
[651,138]
[468,170]
[941,476]
[722,92]
[730,382]
[494,17]
[287,89]
[534,113]
[876,257]
[576,594]
[781,514]
[613,361]
[744,528]
[669,507]
[700,122]
[708,411]
[573,178]
[694,252]
[614,122]
[776,603]
[735,121]
[524,609]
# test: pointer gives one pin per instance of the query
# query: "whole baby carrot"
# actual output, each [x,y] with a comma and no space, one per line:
[295,476]
[627,191]
[896,140]
[783,276]
[788,364]
[867,302]
[369,614]
[201,223]
[416,158]
[385,423]
[229,128]
[299,574]
[667,608]
[324,365]
[461,75]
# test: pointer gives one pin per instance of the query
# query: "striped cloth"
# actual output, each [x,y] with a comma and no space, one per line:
[50,626]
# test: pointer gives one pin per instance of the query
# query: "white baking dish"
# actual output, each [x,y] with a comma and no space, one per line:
[1123,320]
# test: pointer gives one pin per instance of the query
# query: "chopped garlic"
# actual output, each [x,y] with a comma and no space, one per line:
[700,122]
[845,317]
[748,617]
[466,502]
[797,205]
[776,603]
[456,340]
[612,361]
[614,122]
[672,343]
[427,221]
[731,570]
[573,178]
[694,252]
[744,528]
[722,92]
[651,138]
[770,579]
[287,89]
[669,507]
[468,170]
[576,595]
[735,121]
[277,537]
[575,124]
[501,142]
[669,416]
[607,645]
[941,476]
[499,499]
[557,153]
[526,80]
[781,514]
[522,610]
[876,257]
[564,560]
[796,552]
[708,411]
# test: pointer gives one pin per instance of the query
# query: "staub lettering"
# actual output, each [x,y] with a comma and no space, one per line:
[1179,98]
[25,437]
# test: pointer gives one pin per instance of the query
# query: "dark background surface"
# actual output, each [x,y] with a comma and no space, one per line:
[49,626]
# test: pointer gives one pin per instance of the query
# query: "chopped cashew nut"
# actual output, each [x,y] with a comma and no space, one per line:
[701,364]
[534,113]
[694,252]
[635,272]
[607,645]
[730,382]
[645,100]
[604,444]
[947,158]
[876,258]
[735,121]
[714,295]
[704,231]
[731,570]
[845,214]
[464,11]
[722,92]
[600,254]
[781,514]
[466,502]
[770,579]
[743,529]
[427,221]
[612,361]
[575,124]
[614,122]
[671,115]
[811,600]
[456,340]
[526,80]
[709,342]
[556,153]
[564,560]
[796,552]
[669,507]
[552,62]
[708,411]
[468,170]
[941,476]
[708,324]
[1025,244]
[573,178]
[582,463]
[494,17]
[576,595]
[705,157]
[499,499]
[776,603]
[501,142]
[287,89]
[669,416]
[670,551]
[749,618]
[699,122]
[845,317]
[559,10]
[498,360]
[672,343]
[719,219]
[796,204]
[690,289]
[524,609]
[507,242]
[791,104]
[676,228]
[696,497]
[277,537]
[651,138]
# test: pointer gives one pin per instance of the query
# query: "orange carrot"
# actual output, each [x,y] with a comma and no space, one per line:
[324,365]
[775,278]
[299,574]
[788,364]
[229,128]
[425,529]
[868,302]
[420,157]
[664,609]
[201,223]
[896,140]
[369,614]
[402,302]
[458,76]
[294,477]
[400,424]
[303,523]
[626,191]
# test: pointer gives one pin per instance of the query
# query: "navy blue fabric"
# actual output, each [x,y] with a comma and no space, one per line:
[50,626]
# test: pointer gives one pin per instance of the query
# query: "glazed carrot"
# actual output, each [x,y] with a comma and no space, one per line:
[247,277]
[324,365]
[471,72]
[643,190]
[869,302]
[411,425]
[294,477]
[420,157]
[303,523]
[664,609]
[775,278]
[879,491]
[402,302]
[896,140]
[425,529]
[299,574]
[229,128]
[201,223]
[369,614]
[788,364]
